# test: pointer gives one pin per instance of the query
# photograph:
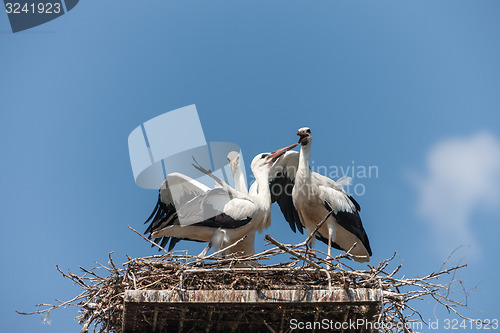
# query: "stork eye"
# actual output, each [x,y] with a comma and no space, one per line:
[264,156]
[308,131]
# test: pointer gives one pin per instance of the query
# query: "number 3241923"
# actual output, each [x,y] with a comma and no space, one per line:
[484,324]
[40,8]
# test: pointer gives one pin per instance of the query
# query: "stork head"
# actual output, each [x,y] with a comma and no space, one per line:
[267,159]
[261,161]
[305,136]
[233,158]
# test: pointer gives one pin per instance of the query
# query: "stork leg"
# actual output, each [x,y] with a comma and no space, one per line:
[329,243]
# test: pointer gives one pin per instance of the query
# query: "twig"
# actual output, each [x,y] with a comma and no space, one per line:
[311,235]
[101,301]
[226,248]
[147,240]
[293,253]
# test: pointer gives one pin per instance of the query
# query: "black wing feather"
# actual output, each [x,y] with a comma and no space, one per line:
[201,212]
[351,221]
[356,204]
[173,241]
[162,213]
[223,221]
[281,192]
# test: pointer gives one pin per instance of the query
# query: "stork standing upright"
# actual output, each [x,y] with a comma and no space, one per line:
[312,197]
[234,160]
[221,216]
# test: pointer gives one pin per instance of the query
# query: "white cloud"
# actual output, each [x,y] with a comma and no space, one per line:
[462,178]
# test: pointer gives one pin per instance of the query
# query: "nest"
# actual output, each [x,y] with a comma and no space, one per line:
[101,301]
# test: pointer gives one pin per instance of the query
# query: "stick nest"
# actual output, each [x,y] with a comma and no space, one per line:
[101,301]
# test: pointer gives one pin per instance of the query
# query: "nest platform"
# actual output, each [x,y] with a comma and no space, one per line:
[248,300]
[177,292]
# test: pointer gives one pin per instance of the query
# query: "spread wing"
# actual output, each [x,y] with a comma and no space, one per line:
[176,190]
[203,216]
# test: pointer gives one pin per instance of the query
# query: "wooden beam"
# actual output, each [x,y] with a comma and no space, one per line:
[336,295]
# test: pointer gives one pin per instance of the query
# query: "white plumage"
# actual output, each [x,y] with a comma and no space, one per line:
[240,183]
[306,197]
[187,209]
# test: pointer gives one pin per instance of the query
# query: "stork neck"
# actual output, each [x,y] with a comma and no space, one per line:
[261,177]
[263,194]
[304,159]
[239,181]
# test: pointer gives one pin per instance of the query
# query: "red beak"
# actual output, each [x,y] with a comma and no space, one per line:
[302,135]
[277,153]
[232,168]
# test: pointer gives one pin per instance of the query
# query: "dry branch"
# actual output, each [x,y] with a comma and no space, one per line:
[101,302]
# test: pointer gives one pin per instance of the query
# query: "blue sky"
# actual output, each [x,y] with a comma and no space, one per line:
[410,87]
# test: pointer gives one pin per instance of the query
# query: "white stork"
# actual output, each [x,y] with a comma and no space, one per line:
[305,197]
[240,184]
[234,160]
[185,189]
[187,209]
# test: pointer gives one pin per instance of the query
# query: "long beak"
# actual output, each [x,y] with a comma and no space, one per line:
[277,153]
[232,168]
[302,136]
